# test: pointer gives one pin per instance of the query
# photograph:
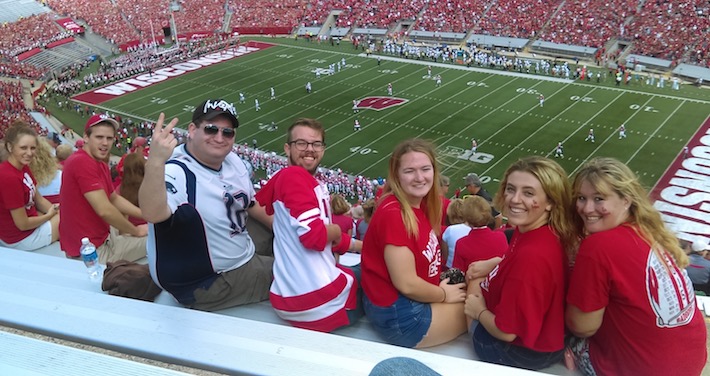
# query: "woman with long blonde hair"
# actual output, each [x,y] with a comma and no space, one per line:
[45,168]
[28,221]
[401,258]
[630,303]
[519,306]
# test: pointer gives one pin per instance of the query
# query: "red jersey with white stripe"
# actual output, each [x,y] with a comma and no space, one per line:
[309,290]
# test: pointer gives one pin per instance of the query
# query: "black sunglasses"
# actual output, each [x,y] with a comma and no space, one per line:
[211,130]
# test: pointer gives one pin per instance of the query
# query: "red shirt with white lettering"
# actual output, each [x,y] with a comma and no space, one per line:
[387,227]
[16,191]
[651,323]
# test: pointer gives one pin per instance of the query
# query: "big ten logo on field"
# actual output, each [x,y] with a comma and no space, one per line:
[380,103]
[466,155]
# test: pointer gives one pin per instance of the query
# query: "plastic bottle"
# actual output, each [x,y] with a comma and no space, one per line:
[91,259]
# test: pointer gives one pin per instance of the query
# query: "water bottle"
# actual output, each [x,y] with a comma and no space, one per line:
[91,259]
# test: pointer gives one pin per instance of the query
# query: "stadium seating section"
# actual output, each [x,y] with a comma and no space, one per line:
[672,30]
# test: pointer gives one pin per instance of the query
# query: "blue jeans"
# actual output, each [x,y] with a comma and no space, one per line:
[404,323]
[358,312]
[492,350]
[401,366]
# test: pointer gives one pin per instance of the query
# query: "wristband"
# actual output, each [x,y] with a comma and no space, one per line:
[442,289]
[480,313]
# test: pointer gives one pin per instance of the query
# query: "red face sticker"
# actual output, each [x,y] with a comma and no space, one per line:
[380,103]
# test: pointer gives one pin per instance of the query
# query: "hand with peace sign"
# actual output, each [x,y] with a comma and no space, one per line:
[163,142]
[152,195]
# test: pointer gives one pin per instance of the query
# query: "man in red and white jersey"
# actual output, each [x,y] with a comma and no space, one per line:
[309,289]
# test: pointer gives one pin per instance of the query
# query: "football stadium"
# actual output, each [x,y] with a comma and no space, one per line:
[487,82]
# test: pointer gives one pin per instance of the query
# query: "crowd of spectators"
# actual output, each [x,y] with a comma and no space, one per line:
[516,18]
[103,16]
[456,16]
[379,13]
[355,188]
[669,30]
[12,107]
[205,15]
[21,70]
[35,31]
[280,13]
[589,23]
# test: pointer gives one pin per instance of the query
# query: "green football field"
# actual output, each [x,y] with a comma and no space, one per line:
[499,110]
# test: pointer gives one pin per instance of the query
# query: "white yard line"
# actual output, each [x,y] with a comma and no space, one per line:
[654,132]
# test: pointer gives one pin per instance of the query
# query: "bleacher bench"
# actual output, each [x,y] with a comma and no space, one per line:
[53,296]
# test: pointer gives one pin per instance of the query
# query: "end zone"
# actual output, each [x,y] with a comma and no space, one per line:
[682,194]
[117,89]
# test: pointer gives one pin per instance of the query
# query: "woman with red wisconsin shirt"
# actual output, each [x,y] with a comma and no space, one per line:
[28,221]
[520,305]
[401,259]
[630,303]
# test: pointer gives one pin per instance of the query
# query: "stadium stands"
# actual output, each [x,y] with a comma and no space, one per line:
[13,10]
[28,33]
[12,107]
[516,18]
[379,13]
[251,13]
[451,15]
[103,16]
[668,30]
[60,57]
[21,70]
[588,23]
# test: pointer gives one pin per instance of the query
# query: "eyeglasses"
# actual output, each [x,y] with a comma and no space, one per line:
[302,145]
[211,130]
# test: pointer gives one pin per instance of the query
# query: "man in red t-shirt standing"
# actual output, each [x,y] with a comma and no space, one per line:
[92,208]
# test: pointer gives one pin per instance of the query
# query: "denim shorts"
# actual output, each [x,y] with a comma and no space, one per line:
[404,323]
[492,350]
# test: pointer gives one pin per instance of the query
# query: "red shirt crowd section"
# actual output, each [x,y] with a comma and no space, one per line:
[32,32]
[516,18]
[456,16]
[672,30]
[279,13]
[12,107]
[589,23]
[103,16]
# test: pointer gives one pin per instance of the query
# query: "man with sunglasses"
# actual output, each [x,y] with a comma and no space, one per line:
[309,290]
[197,198]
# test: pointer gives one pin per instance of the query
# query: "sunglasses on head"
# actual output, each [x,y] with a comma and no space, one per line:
[211,130]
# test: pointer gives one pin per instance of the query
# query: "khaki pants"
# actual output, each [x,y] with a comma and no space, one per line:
[249,283]
[122,247]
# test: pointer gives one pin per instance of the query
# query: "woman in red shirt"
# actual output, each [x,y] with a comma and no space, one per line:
[630,303]
[401,258]
[519,306]
[28,221]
